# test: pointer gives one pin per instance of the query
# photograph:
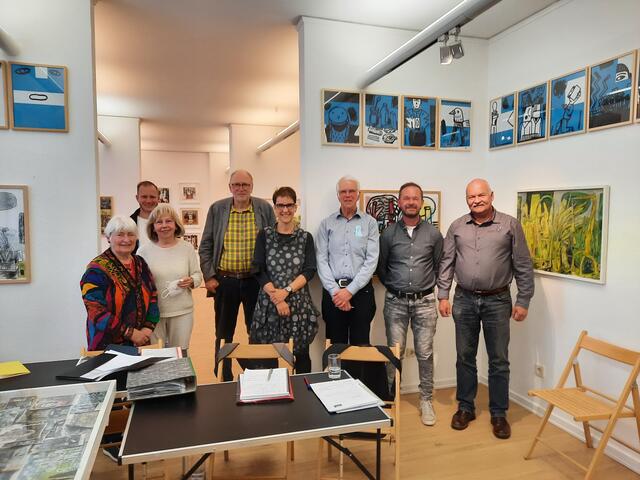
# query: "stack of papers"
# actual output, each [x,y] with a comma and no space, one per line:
[263,385]
[346,395]
[12,369]
[163,379]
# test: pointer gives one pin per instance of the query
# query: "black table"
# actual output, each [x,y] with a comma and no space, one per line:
[209,420]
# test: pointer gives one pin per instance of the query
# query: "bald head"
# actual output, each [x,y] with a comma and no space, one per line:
[480,198]
[241,186]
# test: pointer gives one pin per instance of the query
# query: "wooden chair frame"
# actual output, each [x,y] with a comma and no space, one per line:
[370,354]
[586,404]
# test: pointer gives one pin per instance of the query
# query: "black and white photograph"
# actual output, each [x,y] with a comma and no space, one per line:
[189,192]
[189,217]
[164,195]
[14,234]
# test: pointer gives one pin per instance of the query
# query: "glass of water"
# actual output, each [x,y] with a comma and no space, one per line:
[334,366]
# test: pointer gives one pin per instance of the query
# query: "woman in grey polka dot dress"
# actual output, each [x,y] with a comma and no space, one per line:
[284,261]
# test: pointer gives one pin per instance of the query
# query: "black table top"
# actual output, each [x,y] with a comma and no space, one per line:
[209,419]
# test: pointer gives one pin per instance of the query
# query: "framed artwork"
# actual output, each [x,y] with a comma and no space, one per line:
[419,122]
[106,211]
[163,195]
[38,97]
[192,238]
[15,259]
[637,85]
[611,86]
[567,96]
[381,114]
[4,103]
[532,114]
[383,206]
[566,231]
[189,217]
[189,192]
[455,125]
[502,121]
[340,118]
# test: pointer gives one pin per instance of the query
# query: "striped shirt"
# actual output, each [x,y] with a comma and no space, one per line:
[239,241]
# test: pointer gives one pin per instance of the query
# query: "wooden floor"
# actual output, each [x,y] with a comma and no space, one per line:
[427,452]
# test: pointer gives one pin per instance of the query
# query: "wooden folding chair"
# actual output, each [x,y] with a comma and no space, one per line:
[370,354]
[239,353]
[585,404]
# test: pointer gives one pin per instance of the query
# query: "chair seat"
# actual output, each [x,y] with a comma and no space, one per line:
[578,403]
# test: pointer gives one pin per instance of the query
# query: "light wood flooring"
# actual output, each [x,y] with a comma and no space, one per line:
[426,452]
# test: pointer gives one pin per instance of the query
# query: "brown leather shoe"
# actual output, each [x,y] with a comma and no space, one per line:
[461,419]
[501,428]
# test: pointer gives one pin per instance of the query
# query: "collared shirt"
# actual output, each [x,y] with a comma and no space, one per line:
[347,248]
[409,263]
[486,257]
[239,241]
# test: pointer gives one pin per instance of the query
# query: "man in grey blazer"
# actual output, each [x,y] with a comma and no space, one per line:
[226,251]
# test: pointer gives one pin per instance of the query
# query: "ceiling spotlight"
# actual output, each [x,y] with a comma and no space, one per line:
[446,55]
[456,47]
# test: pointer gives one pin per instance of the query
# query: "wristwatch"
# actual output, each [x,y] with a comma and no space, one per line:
[288,289]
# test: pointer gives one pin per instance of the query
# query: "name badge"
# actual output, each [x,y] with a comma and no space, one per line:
[358,231]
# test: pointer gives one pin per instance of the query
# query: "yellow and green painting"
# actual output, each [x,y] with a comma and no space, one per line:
[566,231]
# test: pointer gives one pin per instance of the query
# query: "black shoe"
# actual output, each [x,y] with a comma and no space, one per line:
[501,428]
[461,419]
[112,453]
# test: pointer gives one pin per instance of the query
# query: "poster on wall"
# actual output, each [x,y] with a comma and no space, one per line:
[4,104]
[638,86]
[419,121]
[610,92]
[38,97]
[455,125]
[340,118]
[532,114]
[15,260]
[502,121]
[380,120]
[189,192]
[567,104]
[383,206]
[163,195]
[566,231]
[189,217]
[106,211]
[191,238]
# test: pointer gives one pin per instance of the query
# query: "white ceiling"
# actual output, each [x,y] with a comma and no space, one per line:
[189,68]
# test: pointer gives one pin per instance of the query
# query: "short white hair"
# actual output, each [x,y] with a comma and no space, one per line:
[120,223]
[347,178]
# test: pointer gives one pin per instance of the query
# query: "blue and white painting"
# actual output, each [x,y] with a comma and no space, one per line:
[381,120]
[38,94]
[419,122]
[532,113]
[502,121]
[568,95]
[455,125]
[610,92]
[341,117]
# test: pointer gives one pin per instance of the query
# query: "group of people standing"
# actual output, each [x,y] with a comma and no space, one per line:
[255,255]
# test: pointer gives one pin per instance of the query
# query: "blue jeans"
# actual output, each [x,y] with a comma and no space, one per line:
[422,314]
[493,312]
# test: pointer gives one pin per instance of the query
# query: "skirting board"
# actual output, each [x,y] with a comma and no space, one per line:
[614,450]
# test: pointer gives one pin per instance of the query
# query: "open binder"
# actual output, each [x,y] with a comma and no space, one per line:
[92,368]
[264,385]
[163,379]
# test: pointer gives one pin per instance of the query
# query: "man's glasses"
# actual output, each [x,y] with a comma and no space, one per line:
[288,206]
[240,185]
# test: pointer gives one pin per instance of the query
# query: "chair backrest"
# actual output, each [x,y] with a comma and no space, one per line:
[609,350]
[254,351]
[94,353]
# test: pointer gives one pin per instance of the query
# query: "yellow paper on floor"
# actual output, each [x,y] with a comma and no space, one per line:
[12,369]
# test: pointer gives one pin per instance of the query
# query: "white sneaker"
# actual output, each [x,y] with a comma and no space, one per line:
[427,414]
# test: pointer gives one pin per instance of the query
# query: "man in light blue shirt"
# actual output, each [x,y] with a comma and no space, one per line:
[347,255]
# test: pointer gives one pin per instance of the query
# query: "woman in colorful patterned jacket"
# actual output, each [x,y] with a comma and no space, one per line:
[118,291]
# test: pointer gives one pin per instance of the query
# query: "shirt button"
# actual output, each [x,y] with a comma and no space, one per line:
[411,269]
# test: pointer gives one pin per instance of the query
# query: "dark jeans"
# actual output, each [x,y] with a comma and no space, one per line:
[229,295]
[493,313]
[303,360]
[350,327]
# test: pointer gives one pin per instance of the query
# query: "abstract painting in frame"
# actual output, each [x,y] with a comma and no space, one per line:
[419,122]
[381,114]
[532,114]
[340,118]
[455,125]
[566,231]
[383,206]
[567,97]
[15,260]
[502,121]
[38,97]
[4,103]
[611,86]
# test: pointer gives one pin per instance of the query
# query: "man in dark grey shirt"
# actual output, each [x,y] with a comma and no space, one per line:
[484,249]
[410,251]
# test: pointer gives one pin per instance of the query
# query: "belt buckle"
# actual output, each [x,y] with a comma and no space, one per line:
[412,296]
[343,282]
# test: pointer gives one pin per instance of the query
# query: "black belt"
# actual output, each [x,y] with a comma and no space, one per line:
[236,275]
[343,282]
[486,293]
[411,295]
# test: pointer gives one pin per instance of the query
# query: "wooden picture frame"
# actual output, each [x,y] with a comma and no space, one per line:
[568,98]
[611,86]
[38,97]
[380,116]
[419,122]
[190,217]
[382,205]
[532,105]
[637,107]
[502,121]
[454,119]
[4,97]
[15,257]
[341,121]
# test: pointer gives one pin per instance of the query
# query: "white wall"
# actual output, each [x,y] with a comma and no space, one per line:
[60,170]
[218,175]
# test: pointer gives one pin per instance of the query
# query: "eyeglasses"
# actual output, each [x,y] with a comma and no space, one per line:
[240,185]
[288,206]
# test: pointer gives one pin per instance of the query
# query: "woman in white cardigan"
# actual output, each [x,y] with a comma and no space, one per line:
[175,266]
